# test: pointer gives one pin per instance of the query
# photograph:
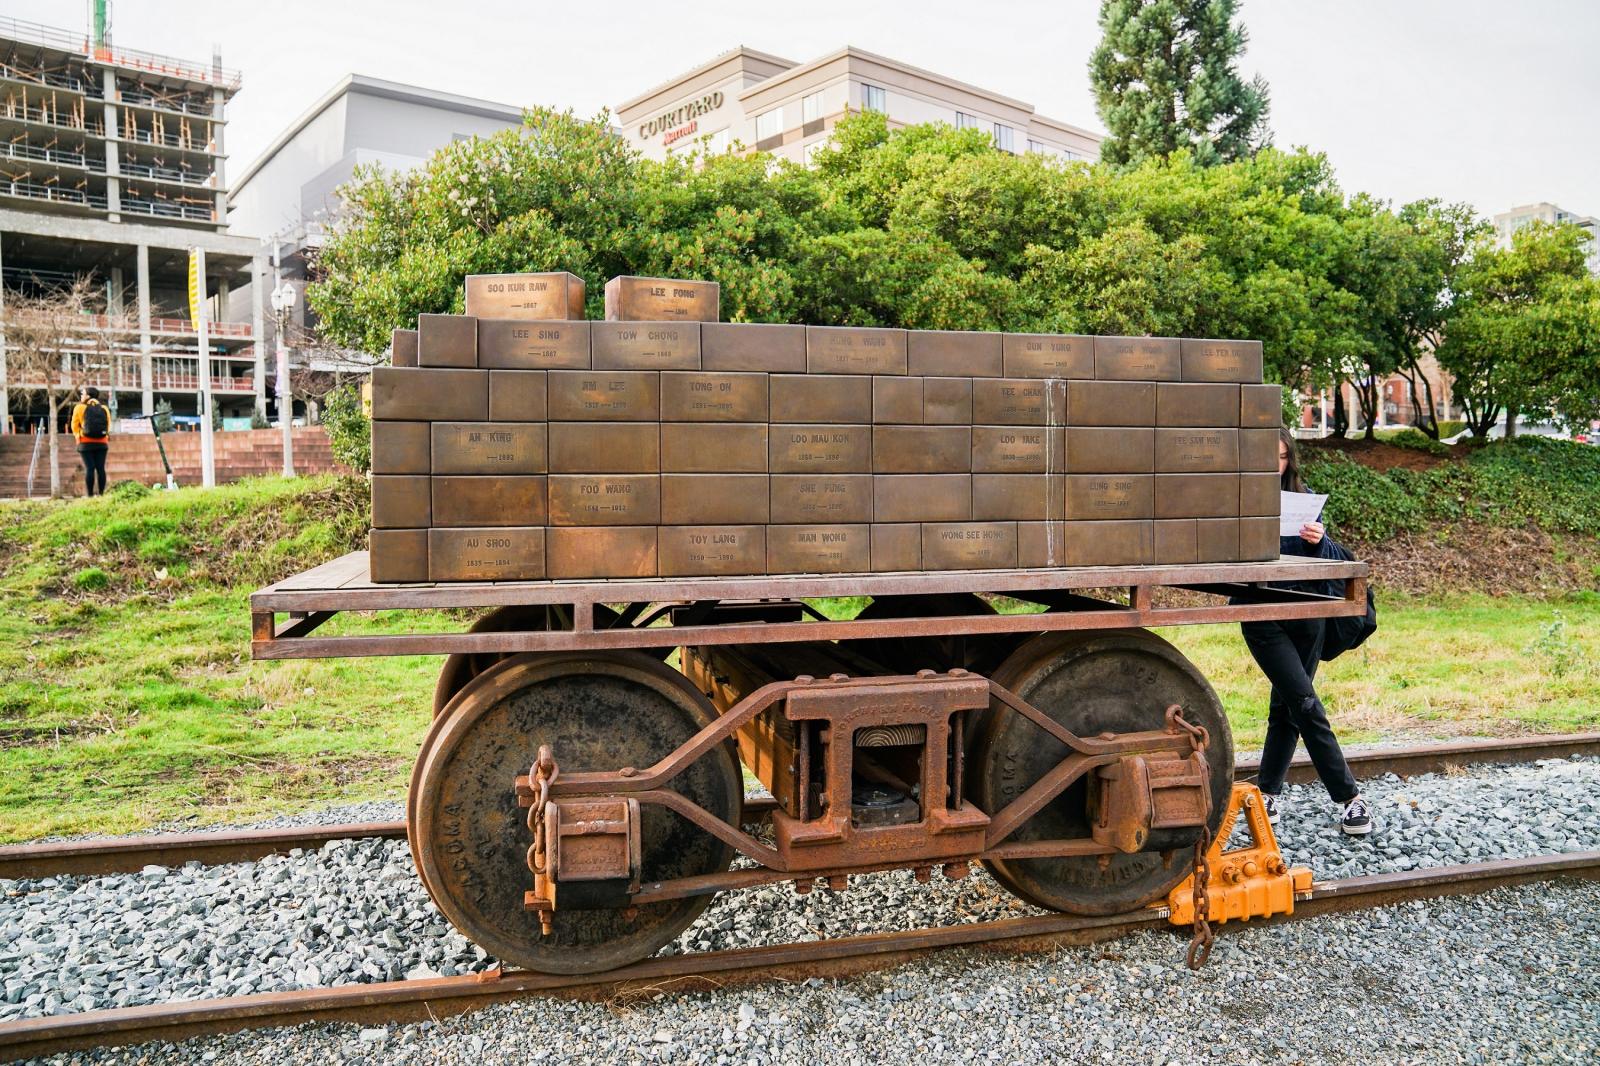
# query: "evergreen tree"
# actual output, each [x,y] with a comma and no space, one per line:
[1165,78]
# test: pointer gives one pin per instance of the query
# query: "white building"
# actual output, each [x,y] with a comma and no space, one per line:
[761,101]
[1508,222]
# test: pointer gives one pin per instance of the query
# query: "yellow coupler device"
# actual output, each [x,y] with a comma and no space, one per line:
[1247,883]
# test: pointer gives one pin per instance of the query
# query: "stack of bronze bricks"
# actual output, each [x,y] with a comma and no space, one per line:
[518,441]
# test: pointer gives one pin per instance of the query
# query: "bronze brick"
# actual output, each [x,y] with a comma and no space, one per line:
[516,344]
[834,398]
[855,350]
[753,346]
[400,502]
[947,401]
[952,353]
[1180,404]
[1106,497]
[714,447]
[921,449]
[1110,543]
[1258,495]
[969,545]
[605,448]
[1018,450]
[714,499]
[689,396]
[1217,540]
[496,554]
[447,341]
[1094,450]
[604,395]
[896,547]
[1197,495]
[821,499]
[604,551]
[1017,497]
[896,400]
[1197,451]
[1136,358]
[411,394]
[1041,544]
[1111,403]
[813,449]
[517,396]
[1258,539]
[1213,360]
[605,499]
[1019,402]
[400,448]
[1261,406]
[922,498]
[397,555]
[1176,542]
[633,299]
[527,297]
[1048,355]
[477,500]
[819,549]
[645,345]
[489,448]
[705,551]
[1258,450]
[403,348]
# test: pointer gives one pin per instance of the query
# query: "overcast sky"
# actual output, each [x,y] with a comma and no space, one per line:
[1486,101]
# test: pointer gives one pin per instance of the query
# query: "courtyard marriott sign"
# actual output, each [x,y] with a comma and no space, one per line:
[680,121]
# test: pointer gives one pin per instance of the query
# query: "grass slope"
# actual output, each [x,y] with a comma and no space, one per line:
[127,697]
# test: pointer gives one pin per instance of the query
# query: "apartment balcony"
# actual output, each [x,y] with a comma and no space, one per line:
[49,79]
[131,59]
[168,209]
[55,194]
[53,156]
[18,113]
[189,179]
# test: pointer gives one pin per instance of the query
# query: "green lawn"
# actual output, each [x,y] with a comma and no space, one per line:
[127,697]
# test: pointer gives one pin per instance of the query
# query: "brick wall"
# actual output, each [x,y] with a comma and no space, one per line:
[241,453]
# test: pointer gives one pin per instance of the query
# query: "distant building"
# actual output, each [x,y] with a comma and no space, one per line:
[112,166]
[287,195]
[775,105]
[1508,222]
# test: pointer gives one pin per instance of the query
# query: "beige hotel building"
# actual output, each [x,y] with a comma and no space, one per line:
[760,101]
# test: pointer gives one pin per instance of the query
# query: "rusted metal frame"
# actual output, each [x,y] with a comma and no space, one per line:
[741,841]
[1067,601]
[629,615]
[300,623]
[583,637]
[1255,593]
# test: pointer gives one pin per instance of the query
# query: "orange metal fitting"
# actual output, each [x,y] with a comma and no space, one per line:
[1250,882]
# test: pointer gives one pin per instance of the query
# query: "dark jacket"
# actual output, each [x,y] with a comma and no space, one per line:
[1323,549]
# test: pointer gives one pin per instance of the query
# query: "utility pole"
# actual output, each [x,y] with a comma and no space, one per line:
[283,300]
[200,313]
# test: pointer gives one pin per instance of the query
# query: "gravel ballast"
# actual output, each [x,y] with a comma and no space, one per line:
[354,911]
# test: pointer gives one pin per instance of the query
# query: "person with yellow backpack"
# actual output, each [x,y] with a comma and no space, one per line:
[91,424]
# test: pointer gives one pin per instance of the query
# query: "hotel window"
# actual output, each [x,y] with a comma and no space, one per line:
[873,98]
[811,108]
[769,124]
[1037,147]
[1003,139]
[965,121]
[717,143]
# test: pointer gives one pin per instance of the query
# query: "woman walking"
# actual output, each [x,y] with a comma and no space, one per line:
[1288,653]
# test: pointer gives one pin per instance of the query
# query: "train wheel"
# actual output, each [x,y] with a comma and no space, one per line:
[598,711]
[1121,681]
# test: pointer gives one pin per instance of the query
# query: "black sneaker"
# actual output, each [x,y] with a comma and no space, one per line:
[1272,803]
[1357,818]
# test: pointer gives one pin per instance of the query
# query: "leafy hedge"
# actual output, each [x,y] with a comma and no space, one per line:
[1554,484]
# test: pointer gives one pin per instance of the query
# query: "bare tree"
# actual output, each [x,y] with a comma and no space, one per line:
[58,342]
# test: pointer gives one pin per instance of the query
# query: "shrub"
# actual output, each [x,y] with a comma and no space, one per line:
[349,428]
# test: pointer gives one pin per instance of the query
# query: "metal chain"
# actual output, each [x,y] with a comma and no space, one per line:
[544,772]
[1200,943]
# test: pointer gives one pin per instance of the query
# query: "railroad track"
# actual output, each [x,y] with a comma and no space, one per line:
[413,1000]
[132,854]
[416,1000]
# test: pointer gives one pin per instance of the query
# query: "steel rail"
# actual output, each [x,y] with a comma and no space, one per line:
[134,853]
[416,1000]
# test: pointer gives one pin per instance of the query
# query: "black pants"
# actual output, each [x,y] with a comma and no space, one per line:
[1288,653]
[94,466]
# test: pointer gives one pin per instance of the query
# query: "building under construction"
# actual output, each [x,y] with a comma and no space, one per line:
[112,168]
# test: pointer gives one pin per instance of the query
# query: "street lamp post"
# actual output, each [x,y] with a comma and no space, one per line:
[283,299]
